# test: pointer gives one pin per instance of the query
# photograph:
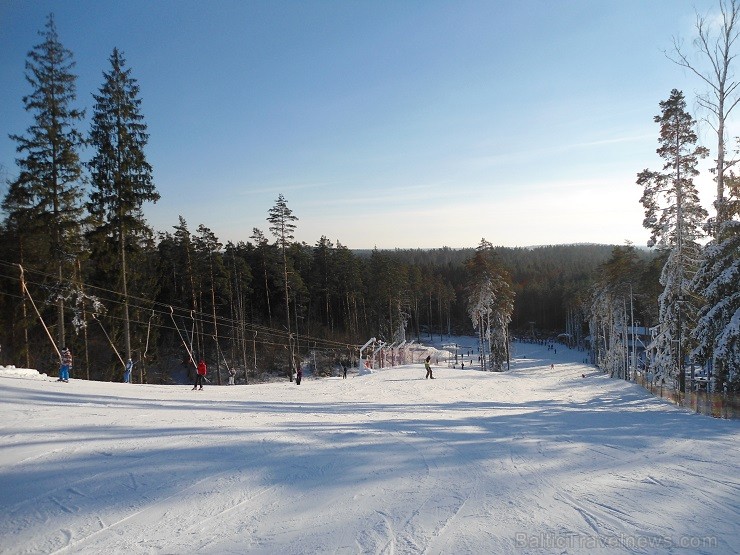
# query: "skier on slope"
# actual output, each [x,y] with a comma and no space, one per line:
[127,371]
[429,368]
[66,365]
[201,374]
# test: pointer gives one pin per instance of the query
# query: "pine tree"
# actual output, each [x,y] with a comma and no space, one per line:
[350,290]
[490,304]
[675,218]
[46,196]
[321,283]
[611,298]
[416,293]
[193,289]
[281,220]
[121,176]
[718,279]
[239,275]
[388,286]
[208,249]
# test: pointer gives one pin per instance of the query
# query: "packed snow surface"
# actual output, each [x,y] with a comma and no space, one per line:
[534,460]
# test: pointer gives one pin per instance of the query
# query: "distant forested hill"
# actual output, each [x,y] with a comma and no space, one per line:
[545,278]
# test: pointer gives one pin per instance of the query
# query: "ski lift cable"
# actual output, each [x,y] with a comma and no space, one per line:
[203,317]
[322,344]
[151,305]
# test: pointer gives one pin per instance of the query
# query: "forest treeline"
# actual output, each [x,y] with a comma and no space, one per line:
[189,293]
[82,268]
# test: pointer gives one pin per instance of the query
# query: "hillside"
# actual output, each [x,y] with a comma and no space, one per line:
[536,460]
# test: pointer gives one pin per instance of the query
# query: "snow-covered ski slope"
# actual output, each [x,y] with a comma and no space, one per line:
[535,460]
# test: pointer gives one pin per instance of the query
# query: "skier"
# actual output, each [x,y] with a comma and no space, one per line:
[127,372]
[232,375]
[429,368]
[298,376]
[344,372]
[202,369]
[66,365]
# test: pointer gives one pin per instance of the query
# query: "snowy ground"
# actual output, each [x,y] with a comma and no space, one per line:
[535,460]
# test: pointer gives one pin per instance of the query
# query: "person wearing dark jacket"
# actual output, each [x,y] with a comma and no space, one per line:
[429,368]
[201,374]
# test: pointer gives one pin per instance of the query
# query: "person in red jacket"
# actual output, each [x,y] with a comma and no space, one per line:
[202,369]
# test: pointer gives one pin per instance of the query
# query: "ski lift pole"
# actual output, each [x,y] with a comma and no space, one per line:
[220,351]
[109,341]
[254,352]
[146,347]
[187,350]
[365,346]
[376,351]
[30,298]
[351,355]
[193,333]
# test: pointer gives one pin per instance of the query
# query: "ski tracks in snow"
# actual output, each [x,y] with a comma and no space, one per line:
[389,464]
[550,502]
[190,518]
[450,502]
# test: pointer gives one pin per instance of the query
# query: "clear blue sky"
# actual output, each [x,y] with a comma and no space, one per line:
[383,123]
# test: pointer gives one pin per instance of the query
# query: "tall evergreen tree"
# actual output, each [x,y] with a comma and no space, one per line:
[208,248]
[388,296]
[490,304]
[46,196]
[718,279]
[322,281]
[192,289]
[265,258]
[611,299]
[121,176]
[281,220]
[351,291]
[675,219]
[415,294]
[239,275]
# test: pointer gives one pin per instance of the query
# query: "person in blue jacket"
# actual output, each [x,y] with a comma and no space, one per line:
[127,372]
